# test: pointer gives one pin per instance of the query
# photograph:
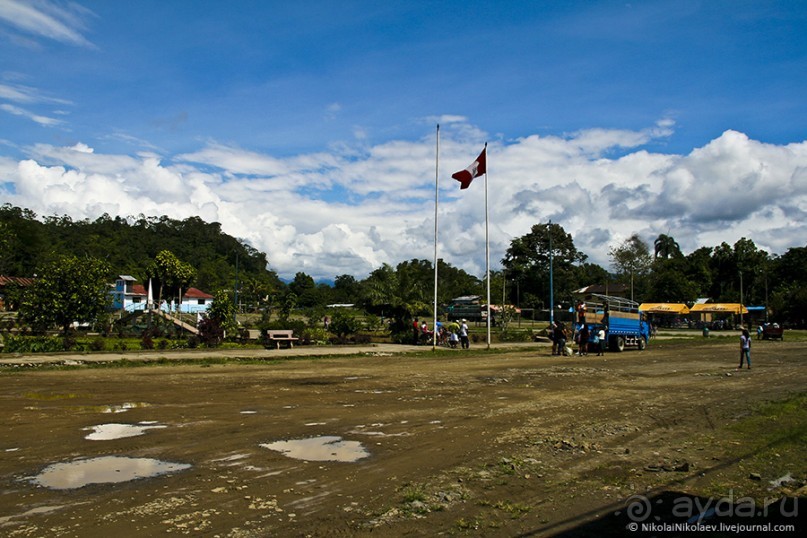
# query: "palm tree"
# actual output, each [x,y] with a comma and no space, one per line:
[666,247]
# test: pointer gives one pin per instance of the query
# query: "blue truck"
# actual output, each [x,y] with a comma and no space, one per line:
[624,324]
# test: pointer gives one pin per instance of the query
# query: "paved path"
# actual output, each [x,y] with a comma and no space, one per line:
[20,359]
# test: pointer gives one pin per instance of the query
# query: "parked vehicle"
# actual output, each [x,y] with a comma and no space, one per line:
[625,326]
[468,307]
[773,331]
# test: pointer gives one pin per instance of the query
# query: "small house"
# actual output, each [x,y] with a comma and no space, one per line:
[128,295]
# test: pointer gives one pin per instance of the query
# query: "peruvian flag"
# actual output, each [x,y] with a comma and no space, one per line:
[476,169]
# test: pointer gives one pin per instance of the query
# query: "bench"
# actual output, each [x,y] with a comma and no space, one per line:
[278,336]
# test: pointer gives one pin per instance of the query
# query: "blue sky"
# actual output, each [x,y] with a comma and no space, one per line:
[308,128]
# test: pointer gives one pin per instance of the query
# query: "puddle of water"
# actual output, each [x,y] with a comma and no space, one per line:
[324,448]
[234,457]
[379,433]
[782,480]
[123,407]
[31,512]
[103,470]
[108,432]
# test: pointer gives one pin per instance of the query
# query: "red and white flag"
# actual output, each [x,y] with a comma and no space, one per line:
[476,169]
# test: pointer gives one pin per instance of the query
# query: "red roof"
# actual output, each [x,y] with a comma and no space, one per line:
[190,293]
[20,281]
[193,293]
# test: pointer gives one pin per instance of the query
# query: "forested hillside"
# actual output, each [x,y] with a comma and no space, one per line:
[128,245]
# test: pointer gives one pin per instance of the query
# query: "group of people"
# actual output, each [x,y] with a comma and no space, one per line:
[587,340]
[456,335]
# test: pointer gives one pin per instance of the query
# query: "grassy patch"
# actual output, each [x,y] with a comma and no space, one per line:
[514,509]
[413,493]
[54,396]
[767,444]
[779,423]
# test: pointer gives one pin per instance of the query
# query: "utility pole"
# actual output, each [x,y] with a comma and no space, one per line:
[235,292]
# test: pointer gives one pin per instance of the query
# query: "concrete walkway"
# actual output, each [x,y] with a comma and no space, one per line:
[34,359]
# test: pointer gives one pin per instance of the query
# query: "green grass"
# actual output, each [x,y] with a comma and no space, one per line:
[770,442]
[53,396]
[779,423]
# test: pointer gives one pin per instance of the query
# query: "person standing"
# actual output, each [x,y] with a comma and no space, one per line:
[464,335]
[745,349]
[560,337]
[601,338]
[583,343]
[581,312]
[551,335]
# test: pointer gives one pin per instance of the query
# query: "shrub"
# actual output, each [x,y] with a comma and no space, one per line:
[97,344]
[515,336]
[344,324]
[69,343]
[147,342]
[211,332]
[32,344]
[314,336]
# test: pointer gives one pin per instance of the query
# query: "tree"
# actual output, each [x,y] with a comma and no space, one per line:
[344,323]
[669,283]
[5,247]
[698,271]
[304,287]
[170,275]
[788,280]
[346,289]
[666,247]
[387,295]
[591,273]
[219,320]
[68,289]
[631,259]
[738,272]
[526,263]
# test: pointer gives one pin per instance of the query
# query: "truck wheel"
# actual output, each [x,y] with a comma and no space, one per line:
[617,343]
[642,344]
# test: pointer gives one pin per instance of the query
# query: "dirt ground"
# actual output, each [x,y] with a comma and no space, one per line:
[512,442]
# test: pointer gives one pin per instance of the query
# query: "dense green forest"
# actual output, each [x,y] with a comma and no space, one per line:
[650,273]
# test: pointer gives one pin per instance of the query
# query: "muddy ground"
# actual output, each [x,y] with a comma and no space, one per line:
[509,443]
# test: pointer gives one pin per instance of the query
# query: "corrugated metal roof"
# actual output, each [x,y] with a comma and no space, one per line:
[19,280]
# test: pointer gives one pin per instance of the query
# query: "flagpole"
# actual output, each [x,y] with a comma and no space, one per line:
[487,241]
[551,280]
[436,192]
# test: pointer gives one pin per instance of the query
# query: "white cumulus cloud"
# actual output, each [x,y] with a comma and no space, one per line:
[350,210]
